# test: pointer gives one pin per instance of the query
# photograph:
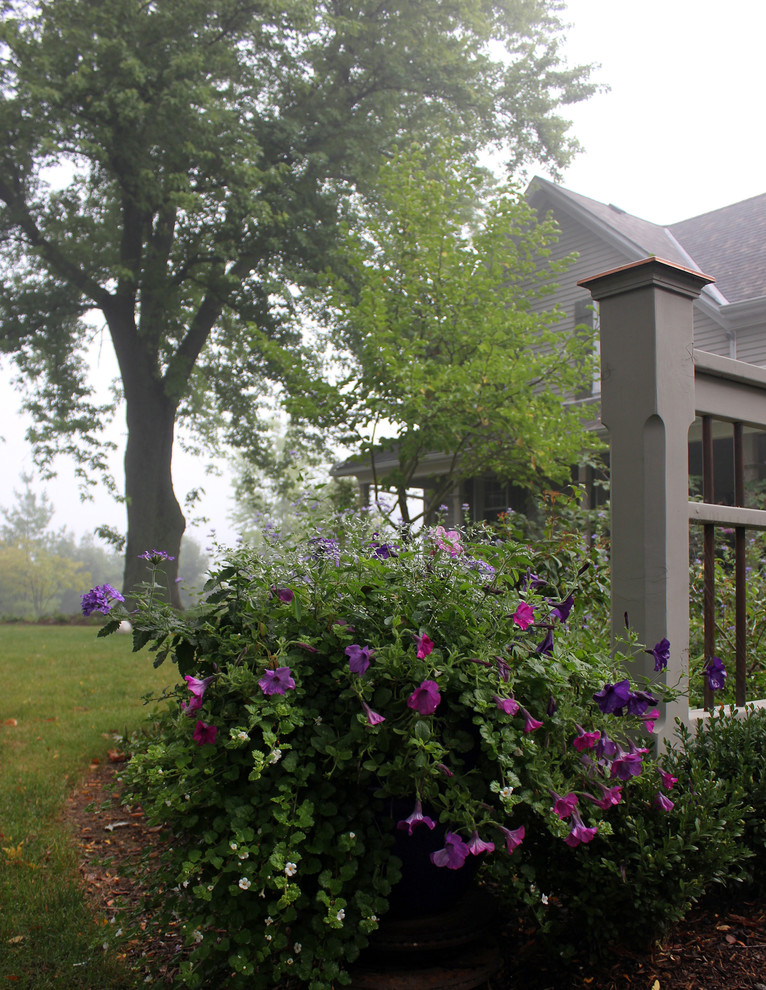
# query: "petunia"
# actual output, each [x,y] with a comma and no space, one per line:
[425,646]
[508,705]
[661,653]
[715,673]
[513,837]
[546,646]
[372,717]
[416,818]
[612,698]
[639,701]
[447,540]
[562,610]
[283,594]
[585,740]
[580,833]
[478,846]
[627,765]
[100,599]
[564,806]
[425,699]
[530,723]
[197,688]
[358,658]
[610,796]
[649,718]
[503,670]
[454,853]
[204,733]
[662,802]
[668,780]
[276,681]
[524,615]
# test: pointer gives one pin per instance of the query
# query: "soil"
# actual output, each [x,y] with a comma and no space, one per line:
[720,946]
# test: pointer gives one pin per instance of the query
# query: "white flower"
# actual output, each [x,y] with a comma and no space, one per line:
[233,846]
[268,938]
[297,948]
[243,854]
[269,921]
[197,936]
[244,883]
[187,797]
[242,736]
[210,886]
[505,792]
[340,915]
[289,961]
[276,756]
[352,835]
[290,869]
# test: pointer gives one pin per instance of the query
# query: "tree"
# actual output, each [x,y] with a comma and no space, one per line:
[179,168]
[438,319]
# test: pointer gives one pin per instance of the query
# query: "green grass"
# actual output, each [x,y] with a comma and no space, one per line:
[68,693]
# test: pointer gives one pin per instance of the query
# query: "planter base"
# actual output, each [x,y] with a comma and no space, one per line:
[452,950]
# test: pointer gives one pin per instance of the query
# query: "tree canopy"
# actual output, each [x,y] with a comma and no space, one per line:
[179,168]
[439,325]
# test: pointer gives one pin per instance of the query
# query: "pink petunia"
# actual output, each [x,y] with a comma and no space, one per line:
[204,733]
[524,615]
[425,646]
[425,699]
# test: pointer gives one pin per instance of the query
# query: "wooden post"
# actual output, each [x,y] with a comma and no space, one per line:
[647,404]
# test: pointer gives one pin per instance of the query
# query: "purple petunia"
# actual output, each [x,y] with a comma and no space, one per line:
[668,780]
[416,818]
[562,610]
[715,673]
[358,658]
[612,698]
[513,837]
[627,765]
[478,846]
[454,853]
[580,833]
[661,654]
[372,717]
[609,796]
[276,681]
[197,688]
[100,599]
[283,594]
[546,646]
[425,699]
[424,645]
[662,802]
[585,740]
[204,733]
[564,806]
[524,615]
[530,723]
[508,705]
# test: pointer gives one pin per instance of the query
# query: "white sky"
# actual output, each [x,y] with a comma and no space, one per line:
[678,134]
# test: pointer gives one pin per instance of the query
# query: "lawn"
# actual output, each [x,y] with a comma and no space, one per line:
[65,695]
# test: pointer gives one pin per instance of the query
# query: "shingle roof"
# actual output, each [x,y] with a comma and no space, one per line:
[730,243]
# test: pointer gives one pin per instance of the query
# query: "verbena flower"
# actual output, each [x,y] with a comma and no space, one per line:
[155,556]
[358,658]
[425,699]
[715,674]
[100,599]
[416,818]
[454,853]
[524,615]
[276,681]
[204,733]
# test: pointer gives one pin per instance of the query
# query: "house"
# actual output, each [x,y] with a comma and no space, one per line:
[729,316]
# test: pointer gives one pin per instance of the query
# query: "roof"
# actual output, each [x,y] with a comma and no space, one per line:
[729,243]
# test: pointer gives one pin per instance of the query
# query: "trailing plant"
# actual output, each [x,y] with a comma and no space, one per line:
[346,698]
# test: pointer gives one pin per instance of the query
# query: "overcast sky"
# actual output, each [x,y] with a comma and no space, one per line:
[679,133]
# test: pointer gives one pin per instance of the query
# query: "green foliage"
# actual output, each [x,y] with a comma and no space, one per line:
[656,866]
[179,168]
[283,804]
[435,327]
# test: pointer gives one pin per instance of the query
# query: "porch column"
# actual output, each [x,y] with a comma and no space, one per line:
[647,404]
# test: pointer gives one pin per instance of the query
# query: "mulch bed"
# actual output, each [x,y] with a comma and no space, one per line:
[720,946]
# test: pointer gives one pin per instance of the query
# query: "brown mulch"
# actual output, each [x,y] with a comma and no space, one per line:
[719,946]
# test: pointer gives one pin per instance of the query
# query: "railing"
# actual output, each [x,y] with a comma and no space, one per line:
[654,383]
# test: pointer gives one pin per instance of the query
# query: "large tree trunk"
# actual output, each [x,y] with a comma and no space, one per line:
[155,520]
